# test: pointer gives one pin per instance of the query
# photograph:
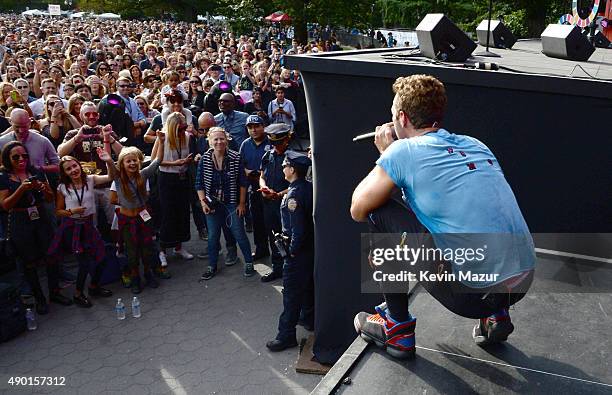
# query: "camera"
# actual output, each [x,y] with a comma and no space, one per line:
[34,178]
[90,131]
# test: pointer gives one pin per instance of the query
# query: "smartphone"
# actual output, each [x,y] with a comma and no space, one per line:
[15,96]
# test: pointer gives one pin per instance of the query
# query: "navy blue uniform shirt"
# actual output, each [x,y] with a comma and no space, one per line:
[272,171]
[296,216]
[252,153]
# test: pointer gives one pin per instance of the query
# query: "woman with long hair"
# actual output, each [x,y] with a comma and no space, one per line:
[196,94]
[257,106]
[58,121]
[221,184]
[136,75]
[98,89]
[147,111]
[74,106]
[174,189]
[130,190]
[23,192]
[127,62]
[75,205]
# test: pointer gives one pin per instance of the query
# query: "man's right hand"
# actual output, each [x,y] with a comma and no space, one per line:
[384,136]
[80,136]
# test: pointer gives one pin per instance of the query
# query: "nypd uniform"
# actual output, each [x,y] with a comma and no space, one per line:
[251,154]
[272,173]
[298,227]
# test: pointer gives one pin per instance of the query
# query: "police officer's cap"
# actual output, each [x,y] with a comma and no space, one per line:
[277,131]
[296,159]
[254,119]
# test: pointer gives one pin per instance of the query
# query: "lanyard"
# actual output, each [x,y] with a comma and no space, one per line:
[80,198]
[179,149]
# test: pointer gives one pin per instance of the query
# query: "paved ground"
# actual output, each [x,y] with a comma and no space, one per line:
[192,338]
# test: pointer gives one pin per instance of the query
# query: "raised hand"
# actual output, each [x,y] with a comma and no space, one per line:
[103,155]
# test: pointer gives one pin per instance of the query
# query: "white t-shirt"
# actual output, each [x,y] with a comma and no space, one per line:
[81,197]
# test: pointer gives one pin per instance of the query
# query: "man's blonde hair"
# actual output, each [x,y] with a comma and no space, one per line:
[421,97]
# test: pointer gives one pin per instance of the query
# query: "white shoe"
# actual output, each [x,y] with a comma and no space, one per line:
[162,259]
[183,253]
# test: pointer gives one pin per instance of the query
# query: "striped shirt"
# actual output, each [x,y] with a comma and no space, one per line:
[233,178]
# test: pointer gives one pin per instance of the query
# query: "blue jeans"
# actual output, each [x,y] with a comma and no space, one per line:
[226,214]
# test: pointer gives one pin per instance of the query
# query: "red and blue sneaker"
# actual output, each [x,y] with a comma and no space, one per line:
[493,329]
[397,338]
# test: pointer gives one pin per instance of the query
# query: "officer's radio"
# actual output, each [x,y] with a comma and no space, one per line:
[282,243]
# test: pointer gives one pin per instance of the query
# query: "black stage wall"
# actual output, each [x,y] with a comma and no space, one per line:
[551,136]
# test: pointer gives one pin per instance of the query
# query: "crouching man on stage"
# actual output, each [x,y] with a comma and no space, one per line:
[451,184]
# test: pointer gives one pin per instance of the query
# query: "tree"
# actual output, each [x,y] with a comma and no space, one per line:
[186,10]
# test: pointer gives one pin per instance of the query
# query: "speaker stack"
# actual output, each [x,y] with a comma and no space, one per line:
[441,39]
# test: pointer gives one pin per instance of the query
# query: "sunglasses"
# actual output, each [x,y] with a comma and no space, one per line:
[51,104]
[22,87]
[16,157]
[103,69]
[123,86]
[194,82]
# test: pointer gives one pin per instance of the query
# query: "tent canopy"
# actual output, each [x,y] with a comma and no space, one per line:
[108,15]
[278,16]
[34,13]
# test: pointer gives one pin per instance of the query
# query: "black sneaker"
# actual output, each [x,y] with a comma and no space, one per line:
[209,273]
[99,292]
[42,307]
[136,288]
[266,278]
[249,270]
[58,298]
[280,345]
[150,280]
[493,329]
[82,301]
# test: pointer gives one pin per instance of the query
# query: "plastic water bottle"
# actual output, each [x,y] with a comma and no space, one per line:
[31,319]
[136,307]
[120,309]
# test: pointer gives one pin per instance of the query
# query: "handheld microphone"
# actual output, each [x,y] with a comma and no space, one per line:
[368,135]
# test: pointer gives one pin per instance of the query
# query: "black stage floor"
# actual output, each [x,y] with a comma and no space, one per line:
[561,344]
[525,56]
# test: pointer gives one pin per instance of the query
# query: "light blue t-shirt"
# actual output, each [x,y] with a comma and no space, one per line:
[455,185]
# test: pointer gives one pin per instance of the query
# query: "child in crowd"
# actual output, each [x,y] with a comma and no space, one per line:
[130,191]
[76,206]
[171,87]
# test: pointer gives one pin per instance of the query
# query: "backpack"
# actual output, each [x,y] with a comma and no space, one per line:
[12,313]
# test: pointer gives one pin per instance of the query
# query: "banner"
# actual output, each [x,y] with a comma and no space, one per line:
[54,9]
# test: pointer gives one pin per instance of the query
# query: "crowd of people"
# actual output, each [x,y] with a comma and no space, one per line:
[115,134]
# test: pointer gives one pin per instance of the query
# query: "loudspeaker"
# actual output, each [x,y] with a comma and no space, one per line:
[500,37]
[600,40]
[566,42]
[441,39]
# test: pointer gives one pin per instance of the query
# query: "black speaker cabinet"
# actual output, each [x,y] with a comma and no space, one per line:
[600,40]
[500,37]
[441,39]
[566,42]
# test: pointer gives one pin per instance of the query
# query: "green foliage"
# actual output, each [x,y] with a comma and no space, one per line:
[242,16]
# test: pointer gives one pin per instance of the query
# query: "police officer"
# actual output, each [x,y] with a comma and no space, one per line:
[298,228]
[273,186]
[251,152]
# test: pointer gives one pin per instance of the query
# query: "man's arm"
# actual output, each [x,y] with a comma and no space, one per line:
[371,193]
